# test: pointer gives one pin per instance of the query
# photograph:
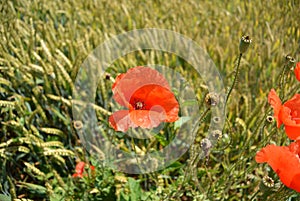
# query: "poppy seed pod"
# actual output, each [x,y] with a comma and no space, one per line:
[217,134]
[268,181]
[211,99]
[244,44]
[205,144]
[270,119]
[290,60]
[77,125]
[267,184]
[107,76]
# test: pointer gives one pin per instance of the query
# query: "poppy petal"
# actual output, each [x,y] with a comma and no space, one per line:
[294,105]
[120,120]
[146,118]
[80,167]
[297,71]
[295,147]
[285,116]
[275,102]
[77,175]
[293,132]
[292,129]
[285,163]
[126,84]
[159,99]
[296,183]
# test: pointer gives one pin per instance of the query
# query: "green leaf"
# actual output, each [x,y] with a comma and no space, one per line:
[172,167]
[161,139]
[191,102]
[181,121]
[135,189]
[33,187]
[124,197]
[5,197]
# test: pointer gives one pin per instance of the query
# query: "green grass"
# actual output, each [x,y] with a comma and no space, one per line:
[42,46]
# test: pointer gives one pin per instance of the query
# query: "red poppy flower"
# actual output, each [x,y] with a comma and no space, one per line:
[285,161]
[297,71]
[287,113]
[148,97]
[79,169]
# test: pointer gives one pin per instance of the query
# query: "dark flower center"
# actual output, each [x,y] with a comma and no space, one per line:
[139,105]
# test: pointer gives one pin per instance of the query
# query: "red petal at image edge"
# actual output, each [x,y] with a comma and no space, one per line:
[297,71]
[296,183]
[293,131]
[283,162]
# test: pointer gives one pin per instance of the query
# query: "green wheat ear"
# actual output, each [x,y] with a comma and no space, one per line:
[53,144]
[65,74]
[2,154]
[5,82]
[23,149]
[39,109]
[8,104]
[60,152]
[59,159]
[53,131]
[59,179]
[34,170]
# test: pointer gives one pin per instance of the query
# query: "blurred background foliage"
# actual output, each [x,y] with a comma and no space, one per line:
[42,46]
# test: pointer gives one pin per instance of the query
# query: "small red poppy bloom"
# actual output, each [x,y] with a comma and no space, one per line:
[287,113]
[79,169]
[285,161]
[297,71]
[148,97]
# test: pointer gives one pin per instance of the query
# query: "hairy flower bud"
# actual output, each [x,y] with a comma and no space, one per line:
[244,44]
[212,99]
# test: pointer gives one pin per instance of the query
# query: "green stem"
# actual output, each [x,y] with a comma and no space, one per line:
[193,159]
[237,68]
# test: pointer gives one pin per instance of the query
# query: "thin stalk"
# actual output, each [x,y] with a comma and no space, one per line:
[235,80]
[194,159]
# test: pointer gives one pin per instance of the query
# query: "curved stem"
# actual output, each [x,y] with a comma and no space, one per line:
[194,158]
[235,77]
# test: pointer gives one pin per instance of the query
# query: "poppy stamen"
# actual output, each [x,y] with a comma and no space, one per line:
[139,105]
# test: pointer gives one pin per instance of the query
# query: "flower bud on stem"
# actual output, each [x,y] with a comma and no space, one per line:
[244,45]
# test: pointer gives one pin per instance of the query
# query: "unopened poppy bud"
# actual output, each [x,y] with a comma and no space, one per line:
[244,44]
[212,99]
[290,60]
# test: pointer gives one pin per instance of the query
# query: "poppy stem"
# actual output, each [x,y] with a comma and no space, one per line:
[282,81]
[235,79]
[195,155]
